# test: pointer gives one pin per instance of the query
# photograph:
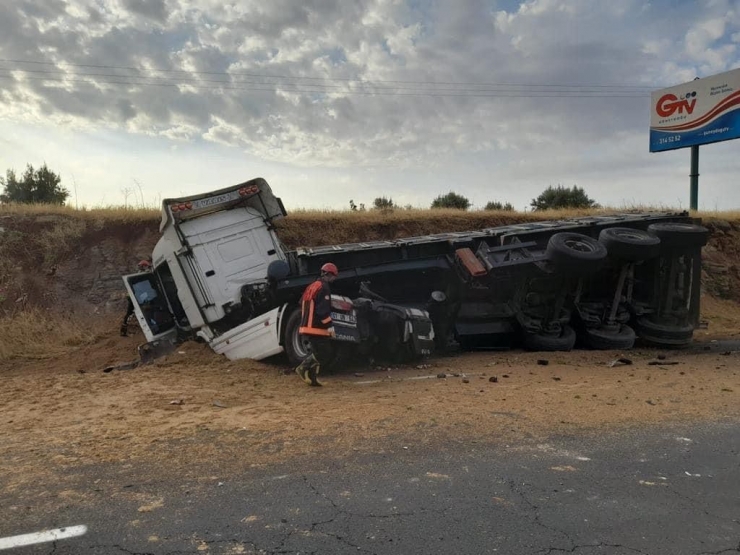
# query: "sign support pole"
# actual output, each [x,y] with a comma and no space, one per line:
[694,176]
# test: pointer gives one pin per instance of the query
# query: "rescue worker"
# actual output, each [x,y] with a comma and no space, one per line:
[316,321]
[144,265]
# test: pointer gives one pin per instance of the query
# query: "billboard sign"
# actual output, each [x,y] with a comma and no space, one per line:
[696,113]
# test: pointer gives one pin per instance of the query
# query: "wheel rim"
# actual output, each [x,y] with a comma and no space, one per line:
[301,345]
[631,235]
[579,245]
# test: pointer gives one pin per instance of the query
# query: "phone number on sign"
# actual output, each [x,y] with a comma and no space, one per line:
[671,139]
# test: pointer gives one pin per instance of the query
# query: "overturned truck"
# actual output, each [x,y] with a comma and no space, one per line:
[221,276]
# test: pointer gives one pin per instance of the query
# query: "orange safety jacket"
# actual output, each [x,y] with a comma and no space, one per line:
[316,309]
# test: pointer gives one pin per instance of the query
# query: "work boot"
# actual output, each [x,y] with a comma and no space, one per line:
[313,373]
[301,371]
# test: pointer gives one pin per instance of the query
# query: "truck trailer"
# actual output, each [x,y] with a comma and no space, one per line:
[221,275]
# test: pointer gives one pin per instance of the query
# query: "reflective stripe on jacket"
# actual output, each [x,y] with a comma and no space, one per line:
[316,309]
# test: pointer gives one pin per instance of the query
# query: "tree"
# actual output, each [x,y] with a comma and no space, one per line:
[451,200]
[382,203]
[41,186]
[563,197]
[496,205]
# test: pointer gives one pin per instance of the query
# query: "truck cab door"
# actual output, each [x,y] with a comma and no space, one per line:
[150,306]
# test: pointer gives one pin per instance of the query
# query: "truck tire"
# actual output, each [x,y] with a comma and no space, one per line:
[664,335]
[680,235]
[629,245]
[543,342]
[331,356]
[297,347]
[576,253]
[605,340]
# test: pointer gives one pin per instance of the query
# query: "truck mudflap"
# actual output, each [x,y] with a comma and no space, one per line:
[255,339]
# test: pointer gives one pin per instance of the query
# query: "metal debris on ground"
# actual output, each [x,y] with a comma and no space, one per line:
[621,360]
[124,366]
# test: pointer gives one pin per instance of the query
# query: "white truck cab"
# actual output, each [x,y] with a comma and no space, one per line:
[215,248]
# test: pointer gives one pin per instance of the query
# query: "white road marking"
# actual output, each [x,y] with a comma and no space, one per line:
[43,537]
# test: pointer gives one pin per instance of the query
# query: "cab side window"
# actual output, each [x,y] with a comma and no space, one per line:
[152,304]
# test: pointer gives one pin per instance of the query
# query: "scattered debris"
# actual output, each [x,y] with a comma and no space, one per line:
[124,366]
[663,363]
[219,404]
[177,402]
[441,375]
[465,380]
[504,375]
[557,379]
[493,379]
[423,366]
[726,353]
[543,362]
[621,360]
[651,402]
[692,475]
[359,375]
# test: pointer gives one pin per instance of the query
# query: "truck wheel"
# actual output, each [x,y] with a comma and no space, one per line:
[297,347]
[543,342]
[333,355]
[630,245]
[664,335]
[576,253]
[604,340]
[680,235]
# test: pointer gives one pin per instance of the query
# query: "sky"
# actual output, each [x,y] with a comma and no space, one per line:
[133,101]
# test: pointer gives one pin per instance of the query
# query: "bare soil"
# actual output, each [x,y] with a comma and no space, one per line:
[196,408]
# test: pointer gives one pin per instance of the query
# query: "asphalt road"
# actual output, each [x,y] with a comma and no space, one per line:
[665,491]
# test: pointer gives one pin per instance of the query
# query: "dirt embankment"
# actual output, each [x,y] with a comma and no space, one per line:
[73,262]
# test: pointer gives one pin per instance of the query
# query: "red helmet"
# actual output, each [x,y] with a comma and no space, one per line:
[144,264]
[329,268]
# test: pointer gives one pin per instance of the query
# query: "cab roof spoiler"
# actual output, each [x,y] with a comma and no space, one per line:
[255,193]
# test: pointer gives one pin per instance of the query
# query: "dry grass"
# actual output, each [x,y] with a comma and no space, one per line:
[34,333]
[128,214]
[114,214]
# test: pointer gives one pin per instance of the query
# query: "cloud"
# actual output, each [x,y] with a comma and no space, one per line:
[366,84]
